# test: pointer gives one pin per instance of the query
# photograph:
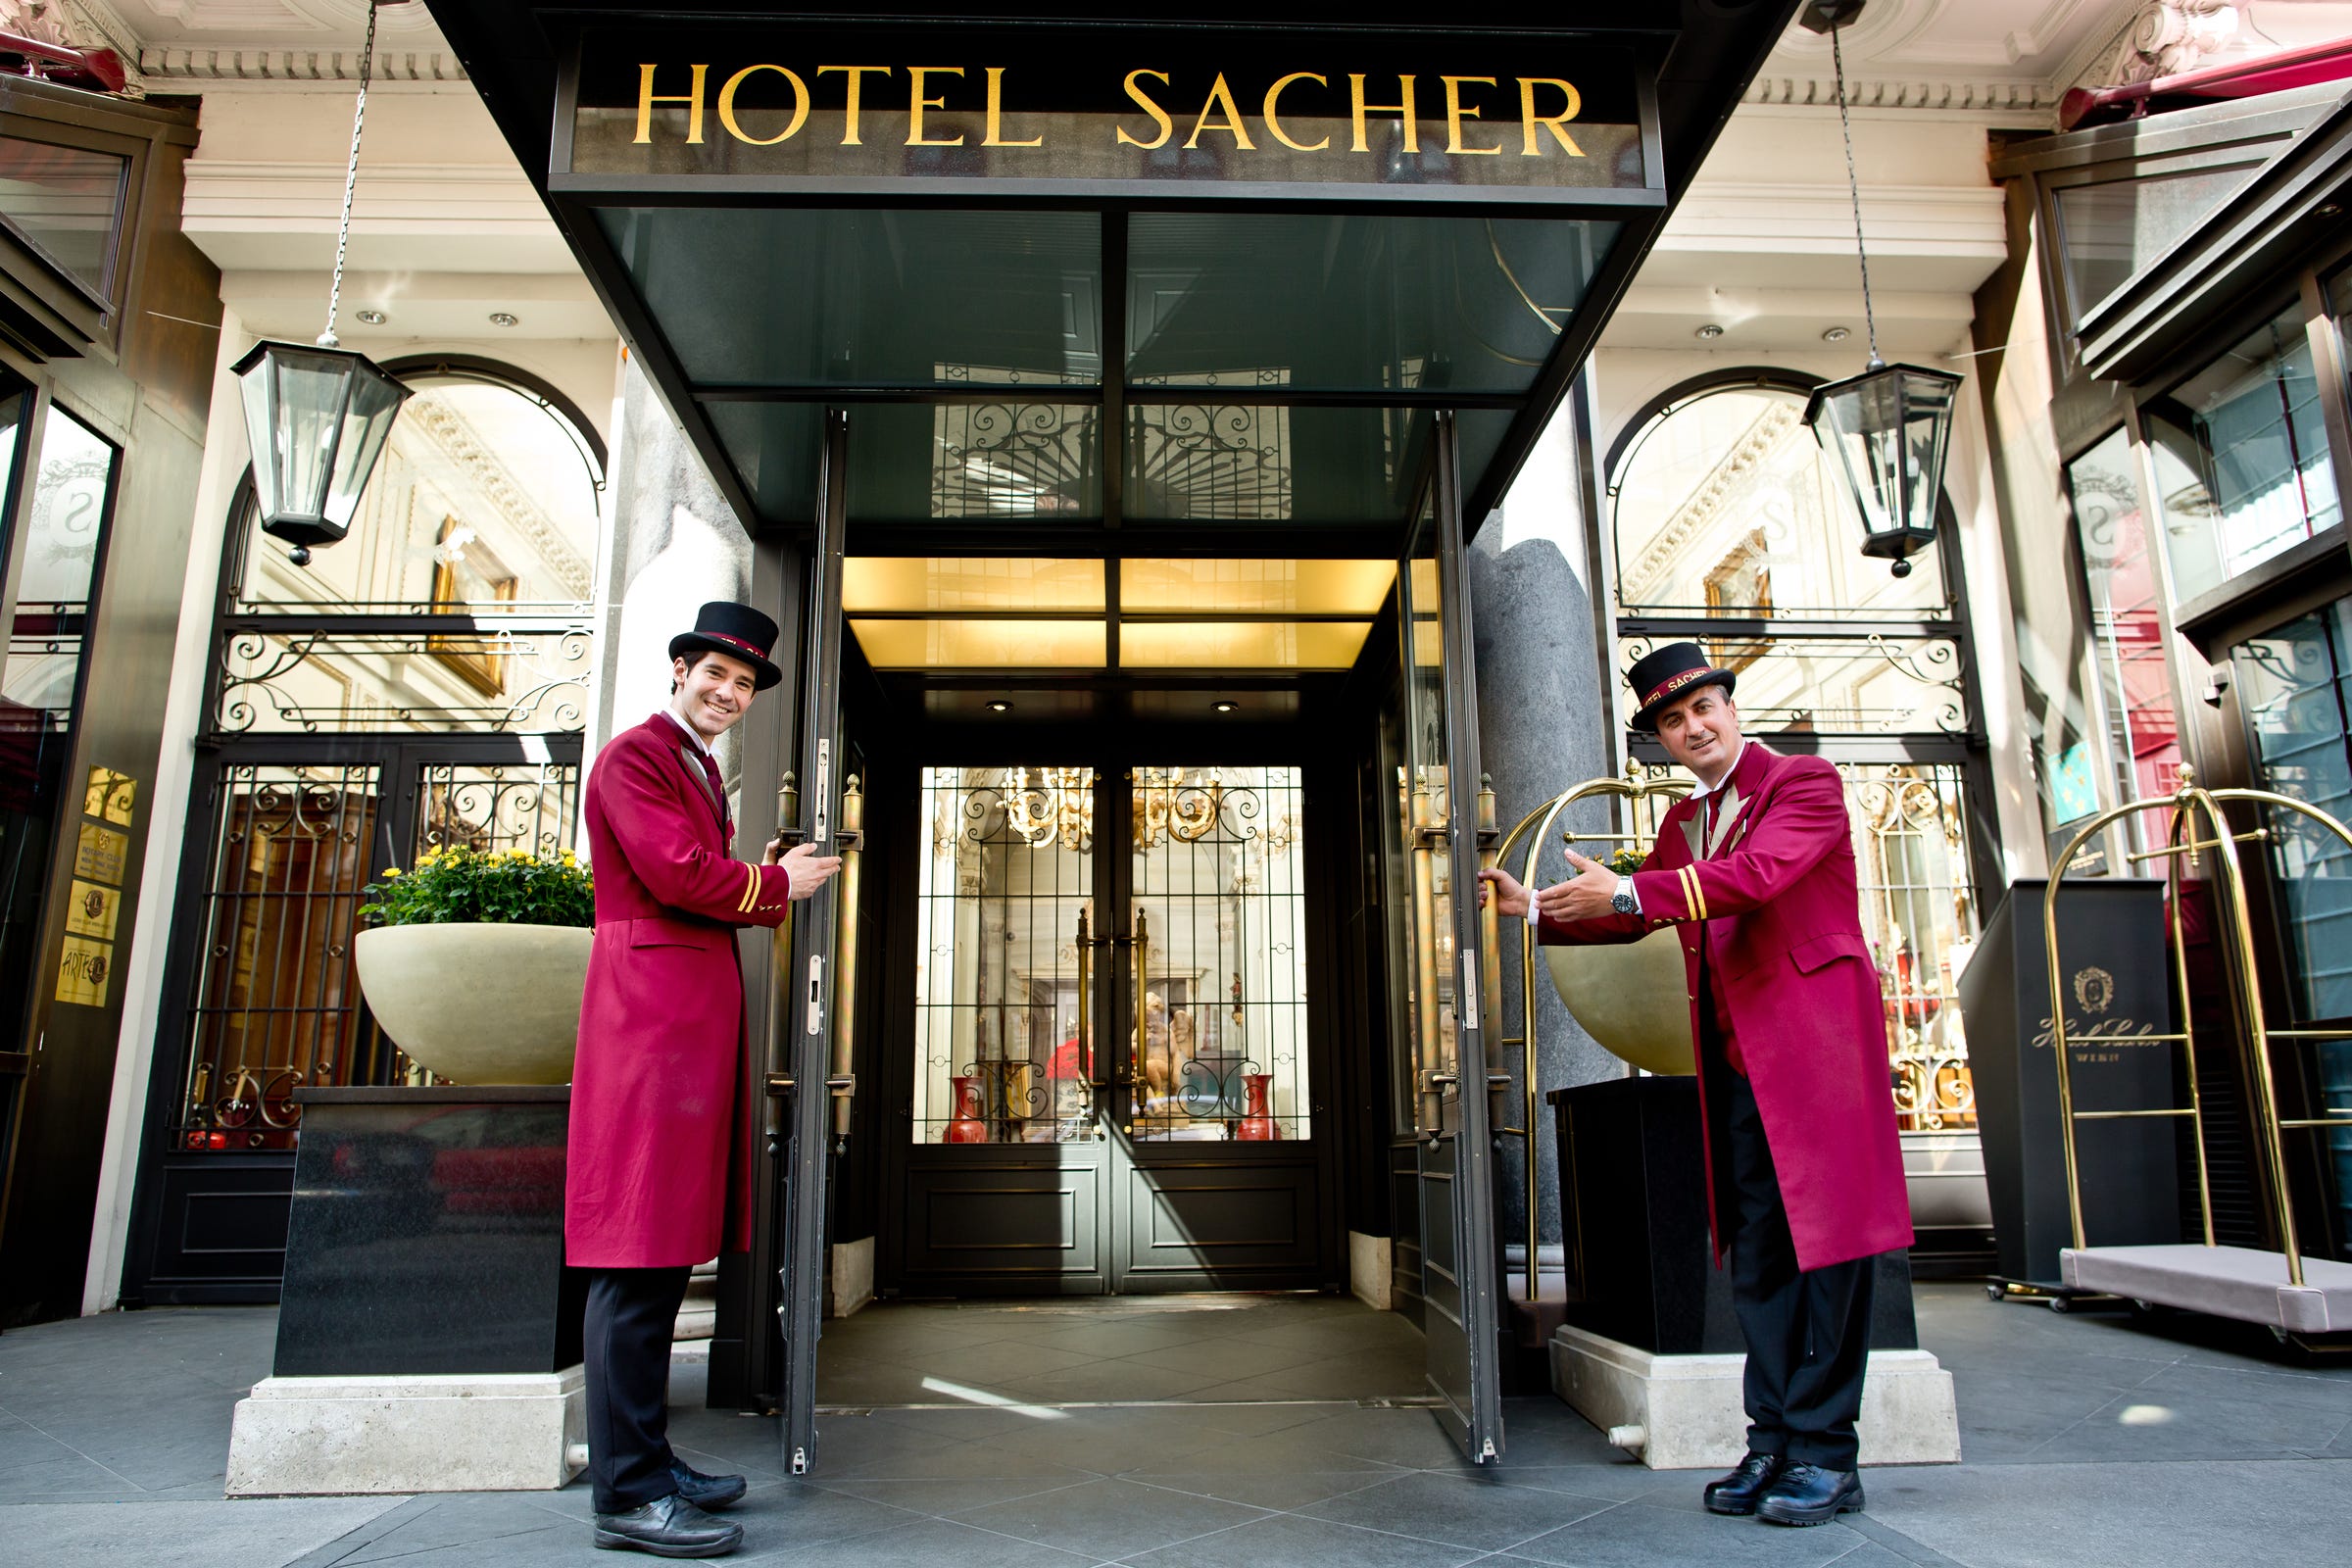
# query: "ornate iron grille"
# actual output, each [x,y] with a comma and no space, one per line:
[1219,463]
[1008,874]
[529,806]
[1014,459]
[1221,880]
[1832,685]
[515,679]
[276,1002]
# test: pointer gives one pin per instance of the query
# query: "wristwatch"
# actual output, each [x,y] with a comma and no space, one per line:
[1623,901]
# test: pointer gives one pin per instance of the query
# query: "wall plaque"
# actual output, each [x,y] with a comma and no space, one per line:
[100,854]
[84,970]
[93,910]
[1107,111]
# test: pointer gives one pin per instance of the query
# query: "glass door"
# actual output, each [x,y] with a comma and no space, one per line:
[1452,1110]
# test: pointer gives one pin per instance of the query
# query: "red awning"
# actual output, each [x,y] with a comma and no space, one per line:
[2240,78]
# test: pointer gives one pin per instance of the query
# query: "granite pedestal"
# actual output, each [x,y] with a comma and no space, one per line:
[1650,1351]
[428,1335]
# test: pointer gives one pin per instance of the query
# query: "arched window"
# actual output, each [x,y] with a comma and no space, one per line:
[1732,529]
[422,683]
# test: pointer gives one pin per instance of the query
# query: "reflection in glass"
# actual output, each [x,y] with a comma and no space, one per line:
[2296,688]
[1725,504]
[58,554]
[810,297]
[2143,734]
[1355,302]
[2110,230]
[2246,435]
[1236,462]
[979,582]
[66,201]
[1257,587]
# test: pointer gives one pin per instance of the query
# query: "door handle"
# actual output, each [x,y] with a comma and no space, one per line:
[1136,1078]
[780,981]
[848,837]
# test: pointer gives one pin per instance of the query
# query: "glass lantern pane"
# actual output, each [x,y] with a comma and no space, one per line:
[1927,404]
[259,387]
[374,399]
[309,416]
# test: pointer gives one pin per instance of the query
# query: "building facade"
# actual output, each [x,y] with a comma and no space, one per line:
[1234,720]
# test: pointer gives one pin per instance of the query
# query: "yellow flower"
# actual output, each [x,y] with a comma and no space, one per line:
[569,858]
[429,856]
[390,872]
[517,853]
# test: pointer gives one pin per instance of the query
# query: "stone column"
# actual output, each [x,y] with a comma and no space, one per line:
[675,544]
[1544,713]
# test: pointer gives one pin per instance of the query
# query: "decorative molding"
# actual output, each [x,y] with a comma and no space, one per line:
[1727,480]
[456,439]
[177,63]
[2032,98]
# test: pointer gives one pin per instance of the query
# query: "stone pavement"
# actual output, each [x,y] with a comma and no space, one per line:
[2091,1441]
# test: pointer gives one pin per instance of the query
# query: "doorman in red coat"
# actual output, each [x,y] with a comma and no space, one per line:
[659,1176]
[1755,870]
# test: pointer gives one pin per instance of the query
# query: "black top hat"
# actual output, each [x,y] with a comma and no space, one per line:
[1663,674]
[736,630]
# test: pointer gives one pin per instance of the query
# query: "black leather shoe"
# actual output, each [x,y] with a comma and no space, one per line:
[1807,1494]
[708,1492]
[668,1527]
[1737,1493]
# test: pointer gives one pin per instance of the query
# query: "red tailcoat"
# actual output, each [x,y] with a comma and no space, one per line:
[659,1159]
[1778,904]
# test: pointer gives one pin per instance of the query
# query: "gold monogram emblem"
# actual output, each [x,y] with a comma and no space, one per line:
[2094,989]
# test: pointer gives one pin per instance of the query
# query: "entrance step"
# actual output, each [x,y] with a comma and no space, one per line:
[697,1314]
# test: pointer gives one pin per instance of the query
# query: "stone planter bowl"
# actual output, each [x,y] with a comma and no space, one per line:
[479,1003]
[1634,999]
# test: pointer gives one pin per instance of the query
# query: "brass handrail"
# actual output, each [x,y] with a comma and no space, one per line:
[2240,970]
[1633,790]
[780,988]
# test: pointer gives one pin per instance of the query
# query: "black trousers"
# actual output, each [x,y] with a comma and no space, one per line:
[631,1315]
[1807,1330]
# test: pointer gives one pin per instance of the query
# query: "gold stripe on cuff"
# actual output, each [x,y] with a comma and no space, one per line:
[751,891]
[1698,892]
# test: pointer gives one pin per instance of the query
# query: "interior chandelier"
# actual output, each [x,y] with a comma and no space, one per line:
[1887,429]
[317,416]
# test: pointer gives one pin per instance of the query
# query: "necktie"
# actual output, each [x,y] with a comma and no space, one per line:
[708,770]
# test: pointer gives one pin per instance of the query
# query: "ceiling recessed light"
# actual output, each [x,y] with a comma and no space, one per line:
[372,318]
[999,706]
[1837,334]
[505,319]
[2333,209]
[1224,706]
[1708,332]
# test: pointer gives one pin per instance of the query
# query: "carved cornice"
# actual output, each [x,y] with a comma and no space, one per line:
[1707,500]
[2038,100]
[179,63]
[457,441]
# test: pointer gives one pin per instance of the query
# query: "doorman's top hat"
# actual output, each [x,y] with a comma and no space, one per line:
[1661,676]
[736,630]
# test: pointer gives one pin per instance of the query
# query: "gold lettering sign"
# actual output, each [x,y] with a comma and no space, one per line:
[1544,116]
[85,972]
[100,852]
[91,910]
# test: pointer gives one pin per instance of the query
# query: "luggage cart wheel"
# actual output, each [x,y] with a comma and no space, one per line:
[1994,1292]
[2059,1304]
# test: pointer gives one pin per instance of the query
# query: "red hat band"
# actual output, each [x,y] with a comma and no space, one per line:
[733,641]
[1675,683]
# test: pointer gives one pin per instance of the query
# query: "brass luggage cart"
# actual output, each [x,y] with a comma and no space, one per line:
[2295,1296]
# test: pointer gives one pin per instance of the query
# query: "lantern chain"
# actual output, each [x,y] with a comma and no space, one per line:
[350,180]
[1853,186]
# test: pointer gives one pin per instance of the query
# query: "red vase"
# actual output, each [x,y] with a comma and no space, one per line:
[966,1127]
[1259,1126]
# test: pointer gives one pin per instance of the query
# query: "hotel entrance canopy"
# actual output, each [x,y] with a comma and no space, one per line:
[1071,272]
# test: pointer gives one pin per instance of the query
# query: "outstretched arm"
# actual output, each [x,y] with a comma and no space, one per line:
[1807,821]
[642,808]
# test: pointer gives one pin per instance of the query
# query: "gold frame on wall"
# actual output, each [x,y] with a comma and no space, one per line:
[474,658]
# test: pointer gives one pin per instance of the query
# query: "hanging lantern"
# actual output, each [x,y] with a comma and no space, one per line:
[1887,431]
[317,418]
